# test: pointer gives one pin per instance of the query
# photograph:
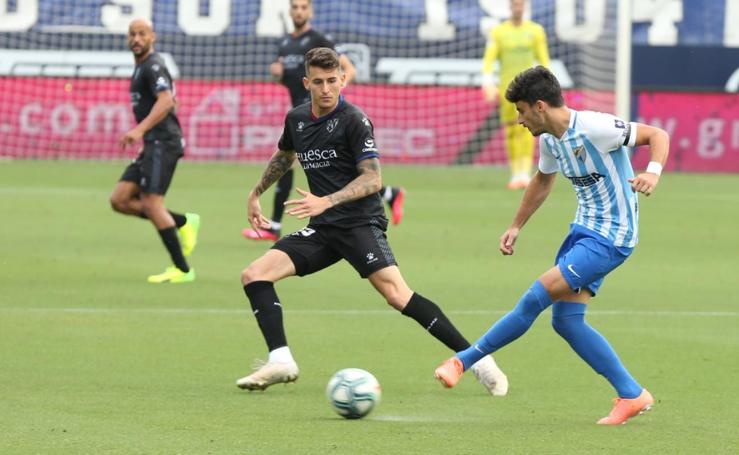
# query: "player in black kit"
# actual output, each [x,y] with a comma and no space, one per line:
[141,189]
[334,143]
[289,70]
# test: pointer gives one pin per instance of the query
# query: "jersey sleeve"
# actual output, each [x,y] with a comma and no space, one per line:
[361,138]
[609,132]
[286,140]
[547,162]
[158,79]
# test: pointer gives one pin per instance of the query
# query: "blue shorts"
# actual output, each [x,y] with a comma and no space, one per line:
[586,257]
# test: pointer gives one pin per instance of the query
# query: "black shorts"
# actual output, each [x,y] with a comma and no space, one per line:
[153,168]
[314,248]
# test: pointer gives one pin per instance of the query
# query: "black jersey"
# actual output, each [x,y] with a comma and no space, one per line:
[329,149]
[293,50]
[149,79]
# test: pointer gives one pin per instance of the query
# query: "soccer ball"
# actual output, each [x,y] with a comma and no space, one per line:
[353,392]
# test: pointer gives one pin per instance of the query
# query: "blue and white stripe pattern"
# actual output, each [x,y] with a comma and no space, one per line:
[592,153]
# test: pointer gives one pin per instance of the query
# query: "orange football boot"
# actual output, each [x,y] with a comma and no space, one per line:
[450,372]
[625,408]
[396,207]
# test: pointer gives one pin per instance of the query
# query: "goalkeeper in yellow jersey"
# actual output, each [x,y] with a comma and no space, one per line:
[518,44]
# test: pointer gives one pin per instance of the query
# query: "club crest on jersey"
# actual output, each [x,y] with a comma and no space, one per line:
[580,153]
[301,125]
[331,124]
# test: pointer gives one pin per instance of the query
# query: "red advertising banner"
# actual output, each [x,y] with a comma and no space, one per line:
[83,118]
[703,128]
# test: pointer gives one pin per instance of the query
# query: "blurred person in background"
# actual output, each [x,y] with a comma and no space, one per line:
[289,70]
[141,189]
[517,44]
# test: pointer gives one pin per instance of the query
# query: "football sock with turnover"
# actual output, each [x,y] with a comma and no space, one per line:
[179,219]
[172,243]
[509,327]
[568,320]
[268,310]
[430,316]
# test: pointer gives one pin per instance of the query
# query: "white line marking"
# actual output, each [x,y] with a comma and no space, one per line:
[245,310]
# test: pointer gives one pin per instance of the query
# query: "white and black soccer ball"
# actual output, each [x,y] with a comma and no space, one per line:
[353,392]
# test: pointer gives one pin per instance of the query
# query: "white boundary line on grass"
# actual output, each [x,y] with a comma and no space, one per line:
[385,312]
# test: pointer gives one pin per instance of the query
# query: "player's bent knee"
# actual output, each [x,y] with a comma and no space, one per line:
[562,326]
[118,204]
[397,299]
[250,275]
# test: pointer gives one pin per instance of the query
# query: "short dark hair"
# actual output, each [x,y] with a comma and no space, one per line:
[322,57]
[533,85]
[310,2]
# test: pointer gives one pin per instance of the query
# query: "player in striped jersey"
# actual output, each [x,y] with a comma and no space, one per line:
[589,149]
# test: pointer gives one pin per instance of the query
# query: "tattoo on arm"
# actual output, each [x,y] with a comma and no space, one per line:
[367,182]
[278,165]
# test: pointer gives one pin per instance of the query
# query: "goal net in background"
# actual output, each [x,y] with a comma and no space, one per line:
[65,68]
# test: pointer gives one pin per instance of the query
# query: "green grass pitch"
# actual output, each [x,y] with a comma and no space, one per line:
[95,360]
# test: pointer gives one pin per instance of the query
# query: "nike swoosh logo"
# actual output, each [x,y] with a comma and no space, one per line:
[478,349]
[569,267]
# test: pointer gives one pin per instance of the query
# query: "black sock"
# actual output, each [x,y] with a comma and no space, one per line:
[268,311]
[169,237]
[282,192]
[179,219]
[431,318]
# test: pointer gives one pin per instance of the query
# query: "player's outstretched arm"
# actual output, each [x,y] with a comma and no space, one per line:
[369,181]
[277,166]
[280,162]
[659,147]
[366,183]
[536,193]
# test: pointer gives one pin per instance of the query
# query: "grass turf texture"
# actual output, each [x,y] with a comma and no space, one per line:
[95,360]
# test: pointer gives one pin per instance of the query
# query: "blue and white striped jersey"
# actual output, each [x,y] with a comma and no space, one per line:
[592,154]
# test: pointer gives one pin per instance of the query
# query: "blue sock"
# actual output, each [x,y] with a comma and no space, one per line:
[510,326]
[568,320]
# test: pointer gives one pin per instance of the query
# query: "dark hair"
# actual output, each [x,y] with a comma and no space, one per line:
[533,85]
[322,57]
[310,2]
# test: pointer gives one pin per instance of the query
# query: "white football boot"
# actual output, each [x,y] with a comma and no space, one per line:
[490,376]
[269,373]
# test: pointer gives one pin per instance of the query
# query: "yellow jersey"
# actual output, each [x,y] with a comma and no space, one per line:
[517,48]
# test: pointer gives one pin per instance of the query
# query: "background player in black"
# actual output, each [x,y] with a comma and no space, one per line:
[289,70]
[141,189]
[334,143]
